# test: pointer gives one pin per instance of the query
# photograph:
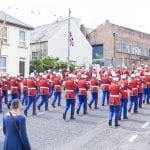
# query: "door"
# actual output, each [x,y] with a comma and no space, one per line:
[21,68]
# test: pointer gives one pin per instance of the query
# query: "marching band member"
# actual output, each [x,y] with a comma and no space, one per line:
[94,84]
[57,89]
[69,96]
[114,100]
[44,91]
[32,85]
[82,94]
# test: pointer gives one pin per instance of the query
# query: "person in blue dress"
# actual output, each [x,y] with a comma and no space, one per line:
[14,128]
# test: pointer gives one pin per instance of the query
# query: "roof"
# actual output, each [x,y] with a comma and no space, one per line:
[121,27]
[45,32]
[13,21]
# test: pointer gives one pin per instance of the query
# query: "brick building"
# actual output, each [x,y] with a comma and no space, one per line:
[119,45]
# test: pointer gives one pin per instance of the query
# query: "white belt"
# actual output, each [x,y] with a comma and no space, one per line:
[125,91]
[69,90]
[44,88]
[105,84]
[57,85]
[31,88]
[25,86]
[94,86]
[114,95]
[14,87]
[148,83]
[82,88]
[135,88]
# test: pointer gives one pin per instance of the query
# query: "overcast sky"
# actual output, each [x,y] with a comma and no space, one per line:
[130,13]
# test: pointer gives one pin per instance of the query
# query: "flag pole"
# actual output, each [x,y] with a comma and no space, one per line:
[2,34]
[68,57]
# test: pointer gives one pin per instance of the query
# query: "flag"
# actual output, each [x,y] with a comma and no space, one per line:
[71,39]
[2,33]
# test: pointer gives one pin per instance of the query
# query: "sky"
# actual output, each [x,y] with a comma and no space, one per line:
[134,14]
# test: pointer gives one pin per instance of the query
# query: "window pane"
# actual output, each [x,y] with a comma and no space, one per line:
[22,36]
[3,62]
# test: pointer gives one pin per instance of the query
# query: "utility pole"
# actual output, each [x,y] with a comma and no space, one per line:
[68,57]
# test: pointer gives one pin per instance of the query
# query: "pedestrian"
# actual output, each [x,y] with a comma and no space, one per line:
[14,128]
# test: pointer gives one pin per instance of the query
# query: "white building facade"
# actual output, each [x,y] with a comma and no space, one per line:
[15,51]
[52,40]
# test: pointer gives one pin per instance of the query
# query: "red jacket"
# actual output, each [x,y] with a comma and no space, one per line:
[94,85]
[4,85]
[32,85]
[146,82]
[57,84]
[105,83]
[25,87]
[124,89]
[44,87]
[14,86]
[83,87]
[69,89]
[115,94]
[133,87]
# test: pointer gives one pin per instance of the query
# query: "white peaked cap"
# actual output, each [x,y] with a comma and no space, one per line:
[115,79]
[123,76]
[57,74]
[41,73]
[32,75]
[94,75]
[44,76]
[13,75]
[84,76]
[132,75]
[70,75]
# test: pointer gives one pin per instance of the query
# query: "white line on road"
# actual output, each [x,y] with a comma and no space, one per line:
[145,125]
[133,138]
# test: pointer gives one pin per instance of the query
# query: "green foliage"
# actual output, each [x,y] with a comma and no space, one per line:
[47,62]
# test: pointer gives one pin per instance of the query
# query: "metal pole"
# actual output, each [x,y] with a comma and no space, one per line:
[68,57]
[114,48]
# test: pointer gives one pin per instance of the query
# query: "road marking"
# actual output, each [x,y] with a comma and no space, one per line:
[133,138]
[145,125]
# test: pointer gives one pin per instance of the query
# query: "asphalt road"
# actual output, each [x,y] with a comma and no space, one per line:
[48,131]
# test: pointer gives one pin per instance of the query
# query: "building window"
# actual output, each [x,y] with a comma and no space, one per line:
[5,35]
[3,64]
[22,38]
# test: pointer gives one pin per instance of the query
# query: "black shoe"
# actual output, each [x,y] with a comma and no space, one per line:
[5,102]
[110,123]
[34,113]
[38,107]
[64,116]
[125,118]
[53,105]
[25,112]
[90,106]
[129,110]
[85,113]
[117,125]
[59,104]
[119,119]
[72,118]
[147,102]
[102,104]
[136,111]
[143,101]
[77,111]
[8,105]
[46,109]
[96,107]
[1,111]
